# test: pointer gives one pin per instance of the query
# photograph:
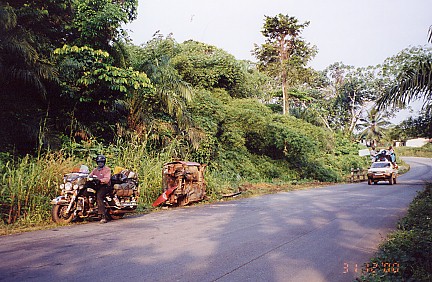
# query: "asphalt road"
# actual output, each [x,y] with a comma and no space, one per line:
[308,235]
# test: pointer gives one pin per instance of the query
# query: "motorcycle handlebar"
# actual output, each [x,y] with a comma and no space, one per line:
[94,179]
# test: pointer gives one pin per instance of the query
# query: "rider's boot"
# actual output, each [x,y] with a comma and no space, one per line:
[103,219]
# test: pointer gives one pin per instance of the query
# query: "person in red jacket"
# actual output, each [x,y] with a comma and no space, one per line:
[103,173]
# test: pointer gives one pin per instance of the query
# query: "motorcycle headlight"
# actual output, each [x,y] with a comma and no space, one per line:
[68,186]
[75,186]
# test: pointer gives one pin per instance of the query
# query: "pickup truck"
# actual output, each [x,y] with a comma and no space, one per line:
[382,171]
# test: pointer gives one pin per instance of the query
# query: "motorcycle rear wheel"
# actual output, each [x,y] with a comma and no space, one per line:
[59,214]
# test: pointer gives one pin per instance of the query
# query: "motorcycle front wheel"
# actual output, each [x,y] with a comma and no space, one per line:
[59,214]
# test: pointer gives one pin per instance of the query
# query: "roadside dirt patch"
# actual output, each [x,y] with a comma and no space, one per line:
[256,189]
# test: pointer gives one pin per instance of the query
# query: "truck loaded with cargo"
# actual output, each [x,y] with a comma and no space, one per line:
[383,168]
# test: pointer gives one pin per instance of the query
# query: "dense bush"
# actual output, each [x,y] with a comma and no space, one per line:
[239,129]
[29,183]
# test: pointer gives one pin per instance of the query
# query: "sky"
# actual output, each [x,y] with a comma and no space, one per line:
[355,32]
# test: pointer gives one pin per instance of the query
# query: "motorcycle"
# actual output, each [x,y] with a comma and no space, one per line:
[78,196]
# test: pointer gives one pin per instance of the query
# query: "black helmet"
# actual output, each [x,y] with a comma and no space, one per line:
[100,159]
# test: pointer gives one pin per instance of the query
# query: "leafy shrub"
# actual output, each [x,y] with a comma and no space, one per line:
[320,171]
[242,129]
[420,212]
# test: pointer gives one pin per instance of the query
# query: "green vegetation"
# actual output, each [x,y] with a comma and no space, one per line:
[373,127]
[420,126]
[73,86]
[407,254]
[29,183]
[423,152]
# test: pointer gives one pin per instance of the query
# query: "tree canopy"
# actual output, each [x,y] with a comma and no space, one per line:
[70,67]
[61,63]
[72,84]
[285,54]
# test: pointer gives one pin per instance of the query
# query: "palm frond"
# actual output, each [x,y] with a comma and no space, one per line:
[414,84]
[430,34]
[20,62]
[8,18]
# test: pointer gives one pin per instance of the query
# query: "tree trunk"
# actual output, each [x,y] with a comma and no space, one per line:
[284,55]
[284,96]
[325,122]
[354,116]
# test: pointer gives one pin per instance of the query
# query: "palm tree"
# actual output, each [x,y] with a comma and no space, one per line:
[374,127]
[23,78]
[414,84]
[172,93]
[19,61]
[162,116]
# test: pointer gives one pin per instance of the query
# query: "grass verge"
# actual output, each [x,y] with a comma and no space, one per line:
[424,152]
[407,253]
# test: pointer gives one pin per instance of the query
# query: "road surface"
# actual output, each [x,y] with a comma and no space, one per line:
[308,235]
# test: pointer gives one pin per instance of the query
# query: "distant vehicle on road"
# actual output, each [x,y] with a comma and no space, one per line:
[382,171]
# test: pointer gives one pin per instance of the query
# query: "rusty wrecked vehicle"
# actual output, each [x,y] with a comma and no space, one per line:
[182,183]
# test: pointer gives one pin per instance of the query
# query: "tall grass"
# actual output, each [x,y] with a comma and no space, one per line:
[28,185]
[134,155]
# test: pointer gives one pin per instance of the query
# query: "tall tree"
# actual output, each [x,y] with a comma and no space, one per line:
[284,54]
[30,31]
[172,93]
[20,61]
[352,90]
[206,66]
[48,22]
[414,127]
[98,24]
[164,115]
